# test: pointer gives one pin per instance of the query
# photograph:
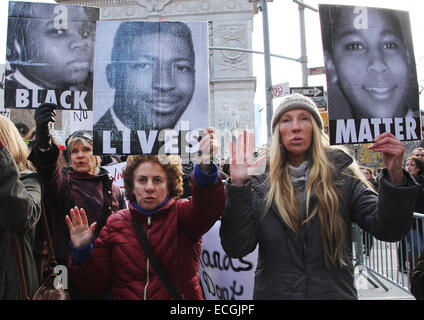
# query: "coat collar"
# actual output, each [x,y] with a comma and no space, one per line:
[162,210]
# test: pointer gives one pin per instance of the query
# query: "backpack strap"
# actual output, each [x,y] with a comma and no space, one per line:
[156,264]
[21,273]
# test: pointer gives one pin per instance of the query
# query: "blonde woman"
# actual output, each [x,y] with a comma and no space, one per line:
[300,213]
[20,210]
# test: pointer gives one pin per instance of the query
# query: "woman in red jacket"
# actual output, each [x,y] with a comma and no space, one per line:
[174,228]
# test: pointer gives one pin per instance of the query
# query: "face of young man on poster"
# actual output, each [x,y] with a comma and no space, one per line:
[371,63]
[60,56]
[156,83]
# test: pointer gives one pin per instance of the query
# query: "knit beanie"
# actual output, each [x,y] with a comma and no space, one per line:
[296,101]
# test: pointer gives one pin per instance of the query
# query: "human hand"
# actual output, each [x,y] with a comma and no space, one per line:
[44,114]
[392,150]
[79,231]
[242,163]
[208,149]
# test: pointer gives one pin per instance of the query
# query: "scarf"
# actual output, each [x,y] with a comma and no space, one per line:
[299,177]
[150,212]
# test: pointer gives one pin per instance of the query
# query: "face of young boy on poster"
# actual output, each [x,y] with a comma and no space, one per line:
[60,48]
[157,84]
[371,62]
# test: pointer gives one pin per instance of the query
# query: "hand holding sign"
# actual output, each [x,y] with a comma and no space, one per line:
[392,150]
[208,149]
[43,116]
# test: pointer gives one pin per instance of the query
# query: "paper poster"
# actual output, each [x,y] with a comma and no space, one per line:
[371,74]
[150,86]
[116,171]
[223,278]
[50,51]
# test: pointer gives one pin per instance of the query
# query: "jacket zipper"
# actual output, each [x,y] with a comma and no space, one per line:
[149,224]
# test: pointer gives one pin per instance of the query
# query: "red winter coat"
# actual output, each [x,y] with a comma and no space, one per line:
[175,237]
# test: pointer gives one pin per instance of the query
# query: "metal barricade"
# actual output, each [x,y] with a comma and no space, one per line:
[391,261]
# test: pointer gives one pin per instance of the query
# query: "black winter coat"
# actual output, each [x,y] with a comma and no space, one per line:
[294,267]
[20,211]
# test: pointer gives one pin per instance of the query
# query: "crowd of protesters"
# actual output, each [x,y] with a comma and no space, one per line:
[299,210]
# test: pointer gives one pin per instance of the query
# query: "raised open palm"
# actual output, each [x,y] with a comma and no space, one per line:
[81,234]
[243,165]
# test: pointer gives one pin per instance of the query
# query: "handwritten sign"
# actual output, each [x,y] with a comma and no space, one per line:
[115,170]
[222,277]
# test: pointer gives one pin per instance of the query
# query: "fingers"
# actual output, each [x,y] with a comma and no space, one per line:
[77,217]
[84,217]
[388,143]
[250,146]
[93,227]
[45,113]
[69,222]
[240,149]
[209,145]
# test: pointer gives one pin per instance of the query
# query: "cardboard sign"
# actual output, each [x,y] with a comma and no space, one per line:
[371,74]
[50,50]
[150,86]
[223,278]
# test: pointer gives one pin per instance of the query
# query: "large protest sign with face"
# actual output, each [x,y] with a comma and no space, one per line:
[150,87]
[50,50]
[371,74]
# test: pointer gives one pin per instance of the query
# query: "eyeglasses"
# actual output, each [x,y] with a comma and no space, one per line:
[419,155]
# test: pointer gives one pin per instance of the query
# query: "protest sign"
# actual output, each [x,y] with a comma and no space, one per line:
[223,278]
[371,74]
[50,51]
[151,86]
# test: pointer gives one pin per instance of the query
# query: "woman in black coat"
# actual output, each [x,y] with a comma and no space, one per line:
[300,213]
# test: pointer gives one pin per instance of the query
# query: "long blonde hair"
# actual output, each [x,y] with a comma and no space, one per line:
[320,182]
[14,142]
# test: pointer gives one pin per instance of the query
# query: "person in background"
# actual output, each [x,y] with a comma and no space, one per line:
[23,128]
[83,184]
[418,152]
[20,210]
[300,214]
[415,238]
[173,226]
[369,175]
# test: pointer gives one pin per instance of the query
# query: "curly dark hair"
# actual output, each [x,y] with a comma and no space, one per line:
[170,164]
[418,163]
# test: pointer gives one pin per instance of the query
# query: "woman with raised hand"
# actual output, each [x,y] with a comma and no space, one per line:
[173,226]
[84,184]
[300,212]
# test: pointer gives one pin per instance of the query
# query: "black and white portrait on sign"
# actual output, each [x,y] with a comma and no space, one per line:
[371,74]
[151,84]
[50,50]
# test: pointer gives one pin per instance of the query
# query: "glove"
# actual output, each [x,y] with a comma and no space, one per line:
[43,115]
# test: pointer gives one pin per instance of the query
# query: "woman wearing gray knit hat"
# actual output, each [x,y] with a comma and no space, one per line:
[300,212]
